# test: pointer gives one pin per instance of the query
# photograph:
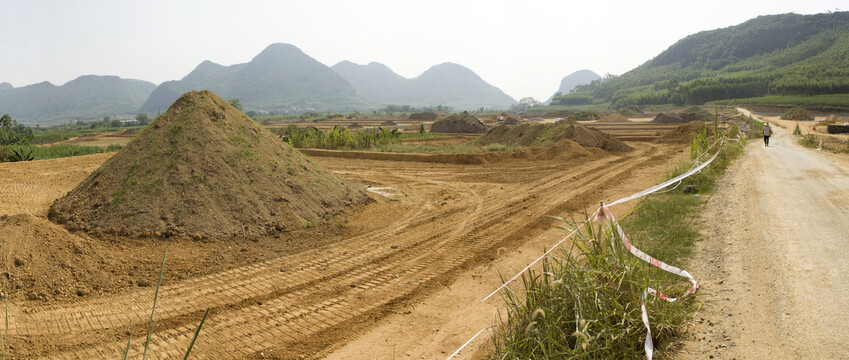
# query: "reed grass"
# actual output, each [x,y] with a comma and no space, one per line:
[192,344]
[152,311]
[585,303]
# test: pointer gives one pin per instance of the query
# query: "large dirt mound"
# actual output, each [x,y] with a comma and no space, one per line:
[667,119]
[613,118]
[797,114]
[203,169]
[550,134]
[458,123]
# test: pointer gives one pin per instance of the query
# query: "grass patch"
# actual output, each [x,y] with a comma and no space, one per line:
[815,142]
[57,151]
[585,301]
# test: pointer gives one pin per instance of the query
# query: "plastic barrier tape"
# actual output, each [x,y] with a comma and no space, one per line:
[604,211]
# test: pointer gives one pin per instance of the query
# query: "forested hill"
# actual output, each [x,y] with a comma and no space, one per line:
[86,97]
[786,54]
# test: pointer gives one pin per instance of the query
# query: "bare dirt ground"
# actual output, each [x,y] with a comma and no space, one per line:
[773,264]
[104,139]
[411,266]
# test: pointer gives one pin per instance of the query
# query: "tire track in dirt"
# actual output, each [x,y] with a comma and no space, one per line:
[289,313]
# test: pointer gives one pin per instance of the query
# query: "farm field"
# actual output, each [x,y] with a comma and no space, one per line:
[310,291]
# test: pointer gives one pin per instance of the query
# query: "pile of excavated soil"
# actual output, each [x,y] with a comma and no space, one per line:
[511,121]
[695,113]
[550,134]
[41,260]
[667,119]
[388,123]
[684,132]
[458,123]
[423,116]
[354,126]
[797,114]
[204,169]
[613,118]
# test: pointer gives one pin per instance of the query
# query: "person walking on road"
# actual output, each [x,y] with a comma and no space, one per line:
[767,133]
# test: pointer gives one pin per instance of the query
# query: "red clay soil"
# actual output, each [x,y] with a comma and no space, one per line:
[204,169]
[549,134]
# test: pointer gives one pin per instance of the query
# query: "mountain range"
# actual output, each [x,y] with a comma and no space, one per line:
[280,78]
[444,84]
[86,97]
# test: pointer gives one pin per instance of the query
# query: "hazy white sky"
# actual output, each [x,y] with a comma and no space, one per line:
[523,47]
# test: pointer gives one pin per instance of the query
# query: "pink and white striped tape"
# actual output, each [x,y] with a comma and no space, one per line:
[604,214]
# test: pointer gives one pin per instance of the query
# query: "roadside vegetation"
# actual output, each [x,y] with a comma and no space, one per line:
[585,301]
[816,142]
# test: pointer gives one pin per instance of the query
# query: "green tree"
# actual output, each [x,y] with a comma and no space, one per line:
[142,118]
[236,104]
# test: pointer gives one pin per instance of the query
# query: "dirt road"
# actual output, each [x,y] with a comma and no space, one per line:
[773,264]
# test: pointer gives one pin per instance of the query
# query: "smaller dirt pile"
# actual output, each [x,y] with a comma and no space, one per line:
[613,118]
[388,123]
[550,134]
[203,169]
[464,123]
[424,116]
[797,114]
[667,119]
